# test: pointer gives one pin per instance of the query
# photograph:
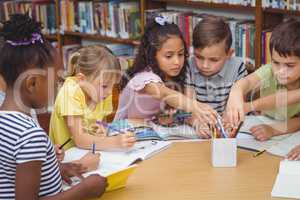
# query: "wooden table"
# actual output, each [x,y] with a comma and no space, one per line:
[184,172]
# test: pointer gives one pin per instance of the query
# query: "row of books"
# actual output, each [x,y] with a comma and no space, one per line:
[282,4]
[113,18]
[266,54]
[243,31]
[42,11]
[234,2]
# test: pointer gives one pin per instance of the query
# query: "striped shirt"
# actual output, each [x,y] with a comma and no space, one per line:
[214,90]
[21,141]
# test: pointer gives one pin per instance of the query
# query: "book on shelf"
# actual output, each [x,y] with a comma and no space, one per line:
[243,31]
[266,54]
[233,2]
[112,18]
[41,10]
[282,4]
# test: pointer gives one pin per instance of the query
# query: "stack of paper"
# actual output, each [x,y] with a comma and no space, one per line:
[287,183]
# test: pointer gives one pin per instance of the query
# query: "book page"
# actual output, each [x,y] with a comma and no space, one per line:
[177,132]
[278,145]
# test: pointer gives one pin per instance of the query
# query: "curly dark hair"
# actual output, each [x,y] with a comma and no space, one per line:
[16,59]
[154,37]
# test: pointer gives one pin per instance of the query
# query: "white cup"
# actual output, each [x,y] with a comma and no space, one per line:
[223,152]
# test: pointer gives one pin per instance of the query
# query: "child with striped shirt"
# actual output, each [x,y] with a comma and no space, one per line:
[28,166]
[213,68]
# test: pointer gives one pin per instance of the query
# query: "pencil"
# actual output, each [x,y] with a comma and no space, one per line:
[64,144]
[237,130]
[259,153]
[93,148]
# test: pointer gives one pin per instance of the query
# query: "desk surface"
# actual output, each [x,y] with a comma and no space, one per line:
[184,172]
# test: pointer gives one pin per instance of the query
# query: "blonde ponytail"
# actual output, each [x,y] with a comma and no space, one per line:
[73,64]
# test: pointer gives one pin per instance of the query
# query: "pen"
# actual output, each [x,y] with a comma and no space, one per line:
[221,128]
[64,144]
[259,153]
[93,148]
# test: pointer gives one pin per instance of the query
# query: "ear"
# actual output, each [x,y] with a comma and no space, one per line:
[230,53]
[31,83]
[80,76]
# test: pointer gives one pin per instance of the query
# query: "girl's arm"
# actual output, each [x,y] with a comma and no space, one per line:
[85,140]
[235,104]
[178,100]
[190,92]
[279,99]
[90,187]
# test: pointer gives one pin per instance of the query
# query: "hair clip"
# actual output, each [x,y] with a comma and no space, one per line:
[161,20]
[36,37]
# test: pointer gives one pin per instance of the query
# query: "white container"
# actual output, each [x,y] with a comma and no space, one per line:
[223,152]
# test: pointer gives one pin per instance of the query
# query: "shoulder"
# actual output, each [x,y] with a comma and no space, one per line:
[141,79]
[20,127]
[264,71]
[235,63]
[71,89]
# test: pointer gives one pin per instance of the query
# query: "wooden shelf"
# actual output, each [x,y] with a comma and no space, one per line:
[101,37]
[224,6]
[50,37]
[282,11]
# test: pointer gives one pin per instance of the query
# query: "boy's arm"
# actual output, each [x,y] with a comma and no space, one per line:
[85,140]
[264,132]
[292,125]
[279,99]
[235,103]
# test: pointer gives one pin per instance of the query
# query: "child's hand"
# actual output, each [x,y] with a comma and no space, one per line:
[94,185]
[294,154]
[262,132]
[204,113]
[60,153]
[201,129]
[235,112]
[125,140]
[69,170]
[97,130]
[90,161]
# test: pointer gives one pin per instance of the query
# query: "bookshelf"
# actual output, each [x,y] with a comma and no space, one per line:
[265,19]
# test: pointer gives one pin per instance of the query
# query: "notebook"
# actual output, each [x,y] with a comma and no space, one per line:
[287,182]
[155,132]
[114,163]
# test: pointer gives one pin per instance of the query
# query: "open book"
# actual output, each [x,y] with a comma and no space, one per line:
[116,163]
[287,183]
[156,132]
[278,145]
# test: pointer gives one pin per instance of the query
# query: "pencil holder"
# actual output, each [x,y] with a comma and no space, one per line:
[223,152]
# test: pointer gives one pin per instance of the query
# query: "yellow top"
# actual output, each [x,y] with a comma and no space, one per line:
[71,101]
